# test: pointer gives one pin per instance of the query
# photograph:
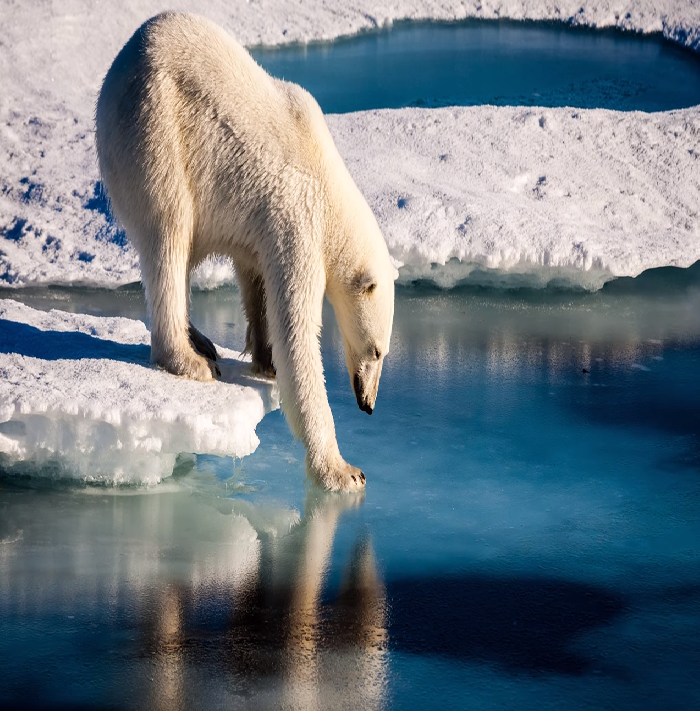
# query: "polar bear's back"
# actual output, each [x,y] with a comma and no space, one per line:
[187,121]
[178,67]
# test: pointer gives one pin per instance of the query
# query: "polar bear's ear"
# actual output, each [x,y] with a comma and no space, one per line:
[395,264]
[364,282]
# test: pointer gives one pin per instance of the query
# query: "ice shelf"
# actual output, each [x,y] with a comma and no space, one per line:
[524,195]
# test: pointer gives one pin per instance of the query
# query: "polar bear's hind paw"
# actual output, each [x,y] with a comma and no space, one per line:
[262,362]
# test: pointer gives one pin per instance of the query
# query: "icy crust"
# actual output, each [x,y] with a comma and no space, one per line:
[536,195]
[54,218]
[79,398]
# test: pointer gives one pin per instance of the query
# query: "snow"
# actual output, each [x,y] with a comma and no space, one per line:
[483,205]
[79,398]
[545,194]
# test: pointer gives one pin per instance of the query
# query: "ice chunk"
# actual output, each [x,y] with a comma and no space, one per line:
[212,273]
[492,195]
[79,398]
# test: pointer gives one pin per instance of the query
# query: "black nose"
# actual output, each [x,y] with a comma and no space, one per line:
[357,387]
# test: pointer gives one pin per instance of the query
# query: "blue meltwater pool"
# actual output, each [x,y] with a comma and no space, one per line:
[501,63]
[529,537]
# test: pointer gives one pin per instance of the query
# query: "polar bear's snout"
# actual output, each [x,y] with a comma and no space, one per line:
[365,383]
[362,399]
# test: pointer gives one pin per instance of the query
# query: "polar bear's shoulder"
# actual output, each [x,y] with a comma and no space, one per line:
[191,43]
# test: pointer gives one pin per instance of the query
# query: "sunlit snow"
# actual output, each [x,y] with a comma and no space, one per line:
[565,195]
[79,398]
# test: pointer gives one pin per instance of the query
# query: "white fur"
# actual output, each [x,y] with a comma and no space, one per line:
[204,153]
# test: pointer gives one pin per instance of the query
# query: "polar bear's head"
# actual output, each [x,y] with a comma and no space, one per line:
[359,281]
[364,307]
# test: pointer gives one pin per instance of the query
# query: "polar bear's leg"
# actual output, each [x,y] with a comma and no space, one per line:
[294,306]
[165,269]
[256,337]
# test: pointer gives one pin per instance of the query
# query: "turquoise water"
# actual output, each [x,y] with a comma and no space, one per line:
[502,63]
[528,537]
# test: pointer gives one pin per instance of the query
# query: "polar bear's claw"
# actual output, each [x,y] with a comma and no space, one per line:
[202,344]
[348,478]
[357,477]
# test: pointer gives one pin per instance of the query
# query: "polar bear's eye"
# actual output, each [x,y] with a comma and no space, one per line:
[364,283]
[377,355]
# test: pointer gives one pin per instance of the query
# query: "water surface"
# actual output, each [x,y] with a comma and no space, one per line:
[502,63]
[528,538]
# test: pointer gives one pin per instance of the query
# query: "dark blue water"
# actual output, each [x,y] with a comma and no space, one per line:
[529,537]
[502,63]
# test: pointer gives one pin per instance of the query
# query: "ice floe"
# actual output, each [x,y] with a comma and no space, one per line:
[616,194]
[575,196]
[79,398]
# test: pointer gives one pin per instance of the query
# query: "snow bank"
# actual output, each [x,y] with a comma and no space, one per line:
[54,218]
[549,194]
[510,195]
[78,397]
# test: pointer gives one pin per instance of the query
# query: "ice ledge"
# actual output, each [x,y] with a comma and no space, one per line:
[507,193]
[504,194]
[79,398]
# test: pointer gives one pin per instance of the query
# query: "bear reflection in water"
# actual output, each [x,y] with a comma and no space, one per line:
[181,600]
[267,631]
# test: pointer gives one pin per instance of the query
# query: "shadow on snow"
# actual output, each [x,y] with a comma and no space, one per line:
[29,341]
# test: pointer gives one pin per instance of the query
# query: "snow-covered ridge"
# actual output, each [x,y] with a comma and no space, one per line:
[79,398]
[482,203]
[299,21]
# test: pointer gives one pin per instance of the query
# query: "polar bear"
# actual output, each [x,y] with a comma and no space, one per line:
[202,152]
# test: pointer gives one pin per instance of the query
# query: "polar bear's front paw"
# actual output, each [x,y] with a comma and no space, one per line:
[190,365]
[341,477]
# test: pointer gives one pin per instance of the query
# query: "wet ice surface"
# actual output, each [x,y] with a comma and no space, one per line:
[528,539]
